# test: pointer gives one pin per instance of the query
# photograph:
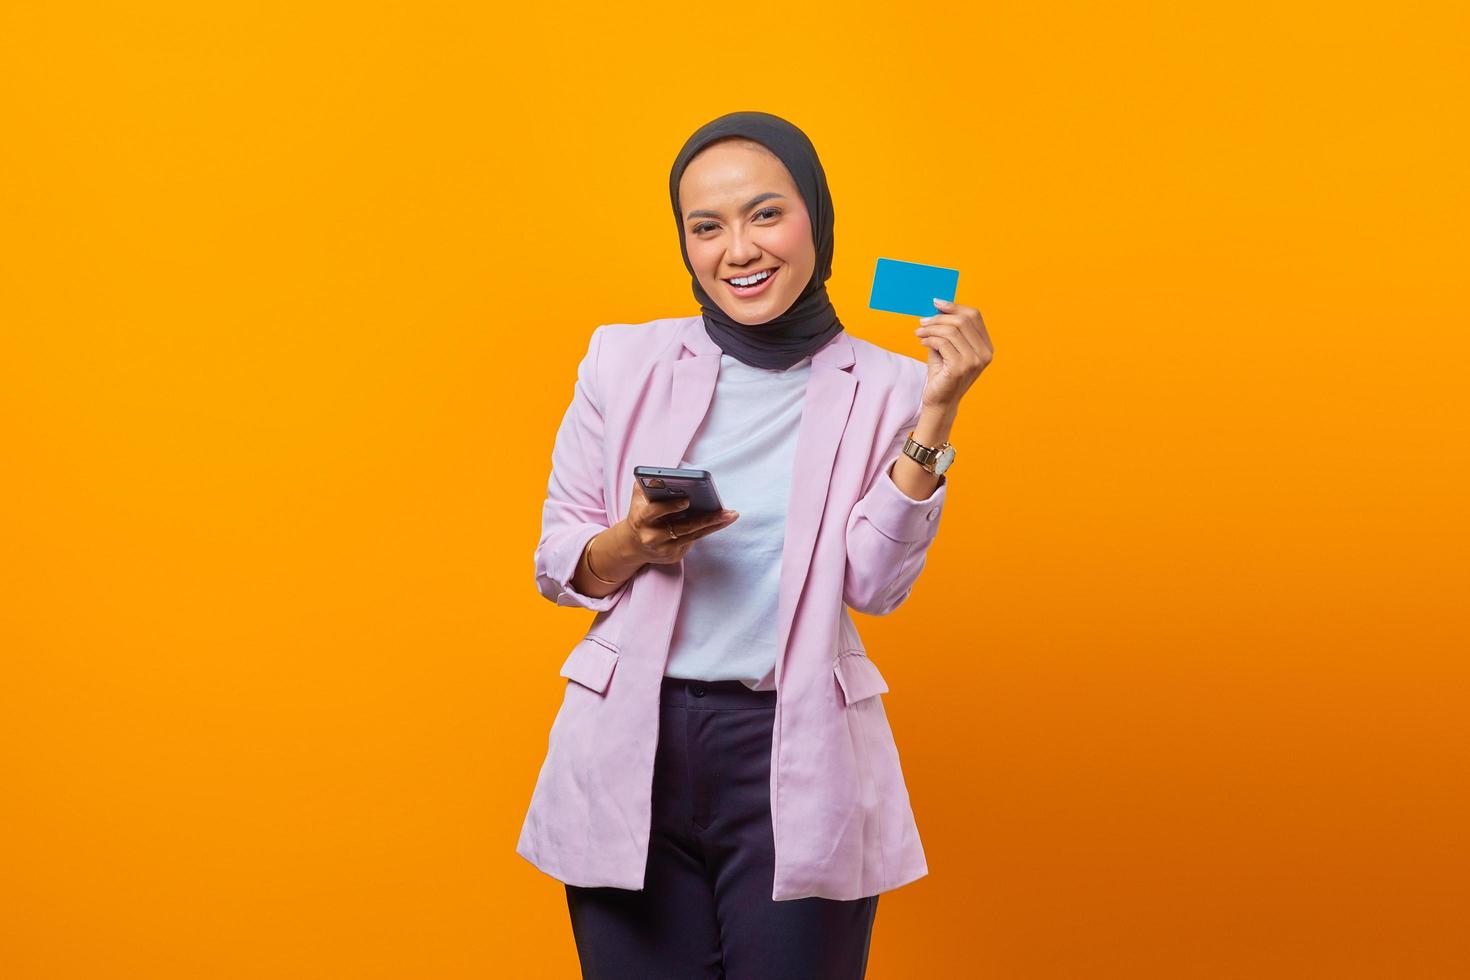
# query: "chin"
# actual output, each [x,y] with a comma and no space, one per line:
[743,316]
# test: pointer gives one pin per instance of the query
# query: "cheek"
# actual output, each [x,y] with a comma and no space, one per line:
[795,244]
[701,256]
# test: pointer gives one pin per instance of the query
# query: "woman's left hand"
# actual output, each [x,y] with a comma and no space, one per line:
[959,349]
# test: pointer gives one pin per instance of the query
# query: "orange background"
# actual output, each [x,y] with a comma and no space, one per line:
[291,301]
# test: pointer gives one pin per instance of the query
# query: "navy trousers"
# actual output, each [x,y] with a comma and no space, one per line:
[705,910]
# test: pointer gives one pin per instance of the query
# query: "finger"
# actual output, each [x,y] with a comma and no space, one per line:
[979,338]
[946,348]
[696,522]
[970,319]
[949,306]
[705,530]
[672,505]
[955,334]
[669,513]
[975,332]
[963,324]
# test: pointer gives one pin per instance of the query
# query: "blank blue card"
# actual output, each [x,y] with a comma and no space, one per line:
[908,287]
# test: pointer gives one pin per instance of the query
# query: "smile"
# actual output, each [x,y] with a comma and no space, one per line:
[754,288]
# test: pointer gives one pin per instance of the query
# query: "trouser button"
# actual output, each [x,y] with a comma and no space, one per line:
[697,691]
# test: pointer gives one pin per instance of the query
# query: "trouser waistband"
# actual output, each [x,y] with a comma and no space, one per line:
[713,695]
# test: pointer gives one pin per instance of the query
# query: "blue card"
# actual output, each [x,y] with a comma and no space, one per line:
[908,287]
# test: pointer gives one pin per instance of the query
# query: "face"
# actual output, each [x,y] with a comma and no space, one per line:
[742,214]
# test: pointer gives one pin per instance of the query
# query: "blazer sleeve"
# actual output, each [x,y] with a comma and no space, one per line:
[575,509]
[888,537]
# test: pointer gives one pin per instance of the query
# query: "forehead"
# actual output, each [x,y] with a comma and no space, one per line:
[729,170]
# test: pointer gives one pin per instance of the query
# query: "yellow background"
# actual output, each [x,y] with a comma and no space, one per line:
[291,301]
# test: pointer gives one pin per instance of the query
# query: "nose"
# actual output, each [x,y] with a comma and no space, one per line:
[742,248]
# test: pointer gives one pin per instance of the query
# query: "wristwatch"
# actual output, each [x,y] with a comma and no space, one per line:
[934,459]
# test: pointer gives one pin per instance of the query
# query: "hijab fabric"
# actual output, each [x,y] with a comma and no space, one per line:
[811,321]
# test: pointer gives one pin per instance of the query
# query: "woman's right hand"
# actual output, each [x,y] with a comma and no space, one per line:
[648,536]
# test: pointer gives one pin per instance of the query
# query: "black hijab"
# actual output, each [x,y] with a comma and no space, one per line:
[811,321]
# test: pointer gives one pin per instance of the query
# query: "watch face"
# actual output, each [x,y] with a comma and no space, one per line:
[942,462]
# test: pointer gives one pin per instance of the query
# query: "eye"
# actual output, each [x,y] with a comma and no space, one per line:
[704,225]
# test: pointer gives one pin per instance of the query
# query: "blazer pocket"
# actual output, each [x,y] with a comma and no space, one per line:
[858,676]
[591,663]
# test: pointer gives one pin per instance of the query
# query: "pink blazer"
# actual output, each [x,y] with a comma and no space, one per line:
[839,807]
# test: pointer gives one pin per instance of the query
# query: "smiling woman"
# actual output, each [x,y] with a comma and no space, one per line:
[721,793]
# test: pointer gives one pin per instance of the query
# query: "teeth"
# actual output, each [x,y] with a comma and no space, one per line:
[748,280]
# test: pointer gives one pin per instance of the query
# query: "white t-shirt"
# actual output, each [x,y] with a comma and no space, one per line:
[725,628]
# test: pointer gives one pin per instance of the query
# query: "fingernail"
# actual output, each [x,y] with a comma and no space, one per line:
[926,321]
[940,302]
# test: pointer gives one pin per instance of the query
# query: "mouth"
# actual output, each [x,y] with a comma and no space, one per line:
[756,289]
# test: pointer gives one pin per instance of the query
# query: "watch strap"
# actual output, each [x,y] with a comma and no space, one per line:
[924,455]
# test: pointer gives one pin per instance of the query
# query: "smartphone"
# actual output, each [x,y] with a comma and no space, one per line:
[665,483]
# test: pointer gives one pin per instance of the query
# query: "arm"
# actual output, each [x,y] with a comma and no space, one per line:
[890,529]
[575,511]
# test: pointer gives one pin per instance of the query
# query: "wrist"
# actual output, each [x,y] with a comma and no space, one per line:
[591,568]
[615,558]
[935,423]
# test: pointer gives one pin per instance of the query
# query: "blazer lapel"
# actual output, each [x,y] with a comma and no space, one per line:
[679,409]
[693,390]
[829,396]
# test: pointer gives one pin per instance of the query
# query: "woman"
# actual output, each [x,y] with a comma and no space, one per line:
[721,794]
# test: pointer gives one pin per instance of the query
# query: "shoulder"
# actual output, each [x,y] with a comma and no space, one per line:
[616,350]
[626,343]
[896,377]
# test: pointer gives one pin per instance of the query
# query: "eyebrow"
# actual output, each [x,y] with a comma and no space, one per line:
[748,205]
